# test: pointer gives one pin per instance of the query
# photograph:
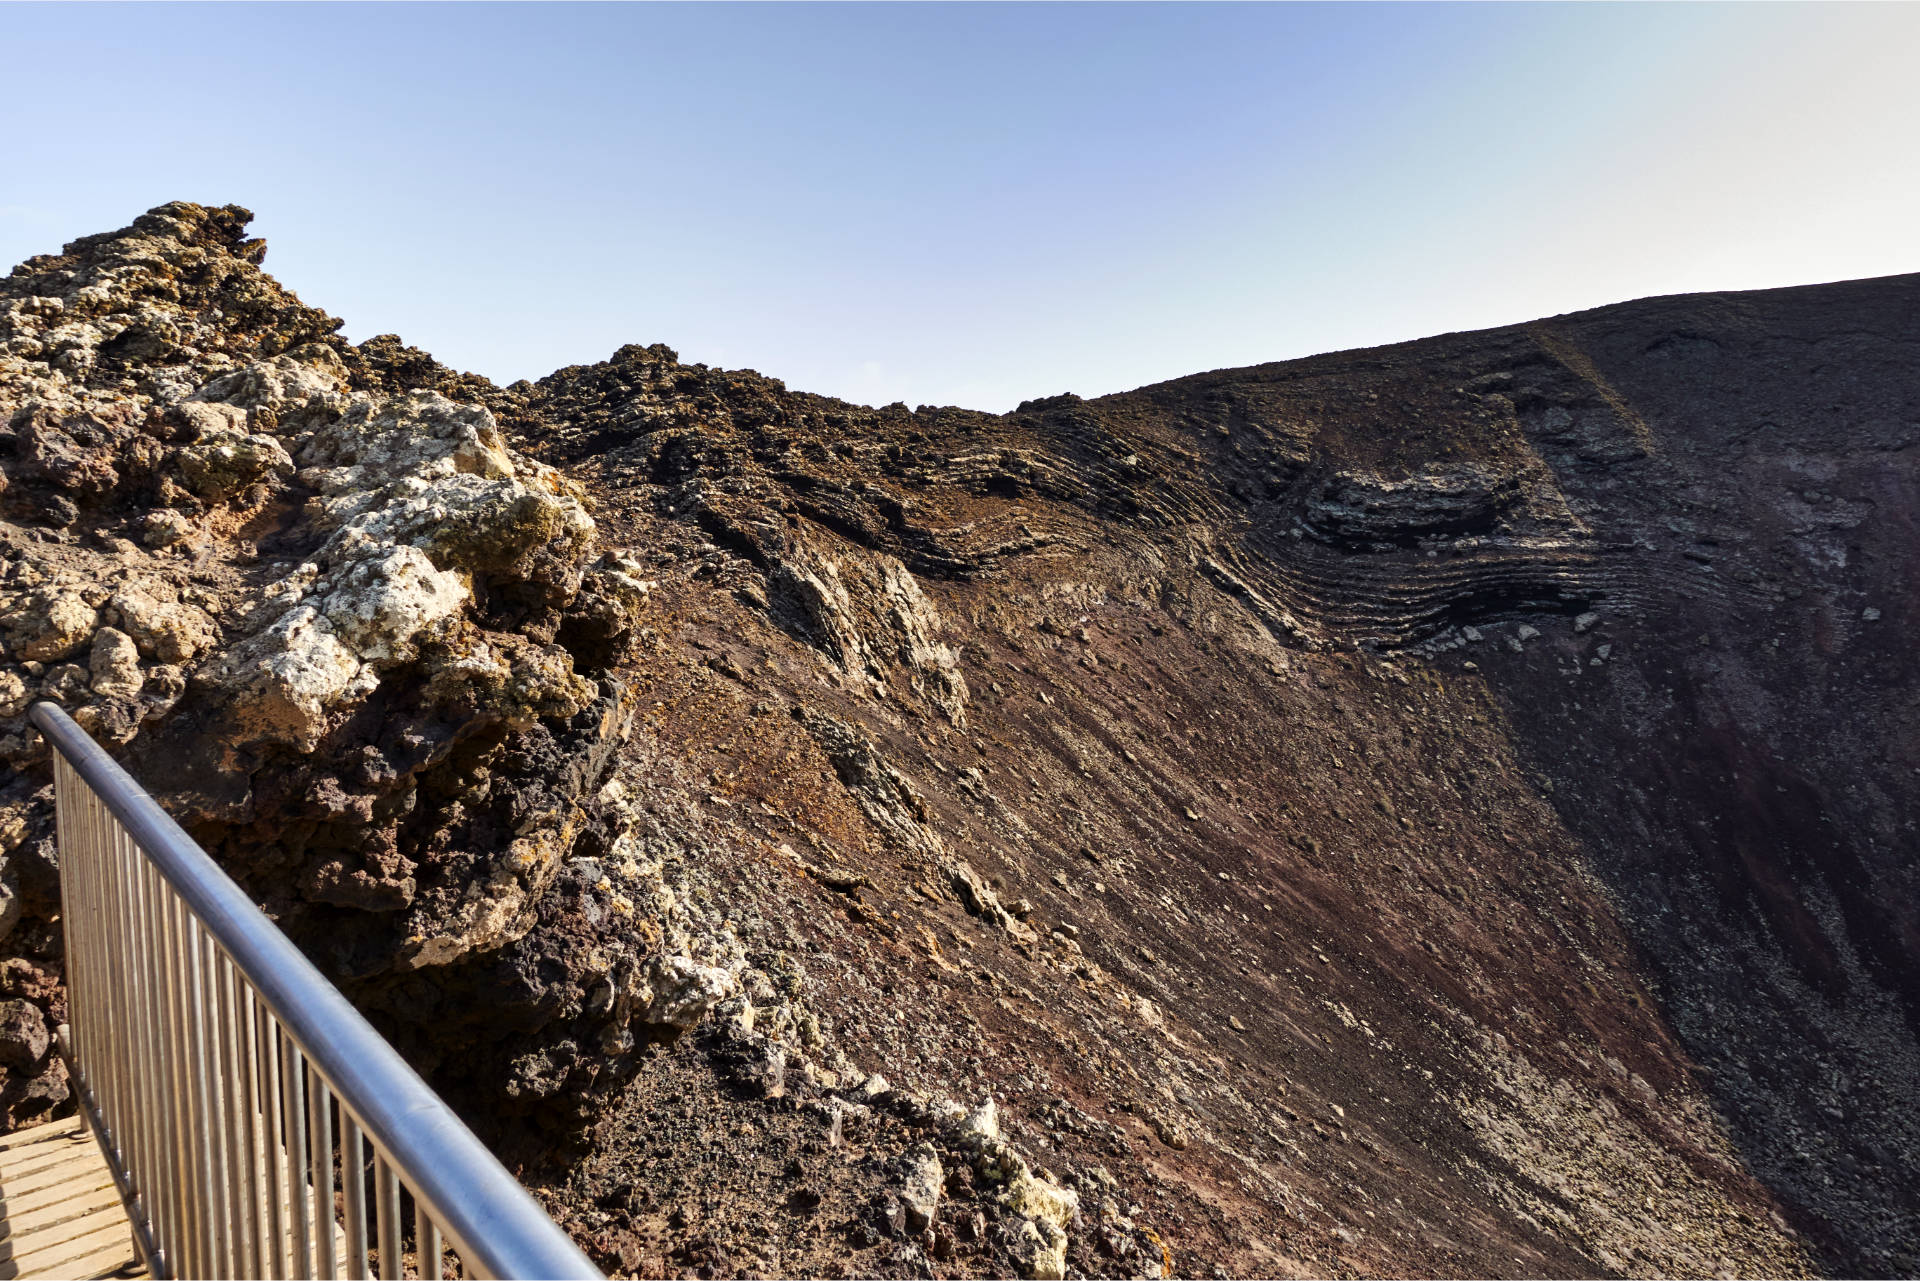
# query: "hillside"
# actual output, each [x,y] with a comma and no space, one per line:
[1443,809]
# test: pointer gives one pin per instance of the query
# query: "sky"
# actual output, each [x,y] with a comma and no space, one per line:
[976,204]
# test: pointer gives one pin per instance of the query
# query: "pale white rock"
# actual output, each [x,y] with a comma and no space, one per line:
[380,607]
[213,420]
[1048,1210]
[14,695]
[299,392]
[281,683]
[491,914]
[165,528]
[682,991]
[1041,1198]
[115,664]
[920,1192]
[163,686]
[983,1122]
[933,667]
[417,492]
[867,614]
[423,437]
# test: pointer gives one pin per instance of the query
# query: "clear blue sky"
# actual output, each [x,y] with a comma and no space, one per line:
[976,204]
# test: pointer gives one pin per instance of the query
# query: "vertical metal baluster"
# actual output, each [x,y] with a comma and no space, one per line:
[111,1097]
[74,887]
[166,1009]
[320,1135]
[292,1082]
[98,980]
[134,1136]
[386,1195]
[104,1072]
[353,1172]
[256,1129]
[66,836]
[234,1125]
[88,954]
[426,1236]
[152,1178]
[201,1254]
[127,1018]
[219,1109]
[69,808]
[247,1042]
[113,1006]
[167,1224]
[139,1118]
[166,1047]
[211,1063]
[63,841]
[278,1189]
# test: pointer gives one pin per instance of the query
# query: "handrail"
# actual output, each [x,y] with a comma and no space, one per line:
[498,1229]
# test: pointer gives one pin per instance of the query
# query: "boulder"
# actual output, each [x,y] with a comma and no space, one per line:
[920,1191]
[24,1039]
[50,623]
[169,631]
[115,664]
[226,460]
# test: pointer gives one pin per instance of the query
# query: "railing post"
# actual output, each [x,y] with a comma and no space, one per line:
[353,1169]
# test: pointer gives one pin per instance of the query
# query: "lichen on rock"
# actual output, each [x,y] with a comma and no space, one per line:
[419,502]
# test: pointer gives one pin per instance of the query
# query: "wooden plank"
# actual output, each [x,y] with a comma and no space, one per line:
[52,1237]
[44,1154]
[102,1263]
[75,1185]
[60,1213]
[47,1176]
[21,1225]
[41,1133]
[105,1233]
[33,1153]
[26,1153]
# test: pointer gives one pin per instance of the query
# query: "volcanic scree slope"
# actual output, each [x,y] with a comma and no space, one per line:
[1444,809]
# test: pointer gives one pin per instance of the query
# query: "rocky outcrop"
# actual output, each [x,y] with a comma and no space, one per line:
[294,590]
[1366,511]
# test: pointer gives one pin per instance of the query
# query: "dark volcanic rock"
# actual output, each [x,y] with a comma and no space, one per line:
[1436,810]
[23,1036]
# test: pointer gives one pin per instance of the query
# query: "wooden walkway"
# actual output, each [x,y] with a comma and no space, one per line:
[60,1215]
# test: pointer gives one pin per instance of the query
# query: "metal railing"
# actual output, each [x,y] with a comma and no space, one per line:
[231,1085]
